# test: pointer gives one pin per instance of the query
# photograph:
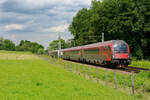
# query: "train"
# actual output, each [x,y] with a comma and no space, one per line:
[114,52]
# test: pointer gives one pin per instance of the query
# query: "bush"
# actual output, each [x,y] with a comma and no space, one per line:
[41,51]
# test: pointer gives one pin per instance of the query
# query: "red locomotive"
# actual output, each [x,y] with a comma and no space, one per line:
[114,52]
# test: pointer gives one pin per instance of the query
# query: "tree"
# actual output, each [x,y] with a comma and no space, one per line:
[8,45]
[80,26]
[40,51]
[1,43]
[33,47]
[54,44]
[70,43]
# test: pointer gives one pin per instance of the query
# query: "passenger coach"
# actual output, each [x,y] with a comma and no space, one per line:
[114,52]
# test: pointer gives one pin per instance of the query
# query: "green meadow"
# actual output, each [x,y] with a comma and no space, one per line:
[31,78]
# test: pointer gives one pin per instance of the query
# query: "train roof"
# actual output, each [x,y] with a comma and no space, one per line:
[94,45]
[53,51]
[73,48]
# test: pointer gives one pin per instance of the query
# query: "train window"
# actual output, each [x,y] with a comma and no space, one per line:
[92,51]
[122,48]
[74,52]
[104,49]
[101,49]
[108,48]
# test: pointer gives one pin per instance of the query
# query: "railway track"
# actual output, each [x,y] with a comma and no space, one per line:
[127,69]
[135,69]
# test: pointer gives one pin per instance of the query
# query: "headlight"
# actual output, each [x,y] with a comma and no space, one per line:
[112,56]
[129,56]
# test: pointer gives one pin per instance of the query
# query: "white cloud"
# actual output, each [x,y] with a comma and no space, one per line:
[41,3]
[41,19]
[2,1]
[11,27]
[59,28]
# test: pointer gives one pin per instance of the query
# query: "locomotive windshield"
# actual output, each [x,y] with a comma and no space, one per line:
[120,48]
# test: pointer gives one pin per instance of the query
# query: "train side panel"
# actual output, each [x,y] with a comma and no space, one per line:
[71,55]
[91,55]
[98,54]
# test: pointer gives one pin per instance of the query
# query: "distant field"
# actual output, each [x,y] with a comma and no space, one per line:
[35,79]
[13,55]
[15,52]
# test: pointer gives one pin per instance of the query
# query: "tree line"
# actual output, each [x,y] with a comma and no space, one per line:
[24,45]
[54,45]
[127,20]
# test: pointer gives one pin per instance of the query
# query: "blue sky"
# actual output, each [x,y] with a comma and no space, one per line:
[38,20]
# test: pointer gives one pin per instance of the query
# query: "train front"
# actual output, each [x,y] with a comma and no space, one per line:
[121,53]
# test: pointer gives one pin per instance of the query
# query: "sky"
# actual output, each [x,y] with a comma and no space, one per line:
[38,20]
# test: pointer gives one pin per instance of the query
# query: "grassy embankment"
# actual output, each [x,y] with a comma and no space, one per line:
[24,76]
[141,64]
[142,79]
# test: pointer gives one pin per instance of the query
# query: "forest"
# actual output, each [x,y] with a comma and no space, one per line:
[24,45]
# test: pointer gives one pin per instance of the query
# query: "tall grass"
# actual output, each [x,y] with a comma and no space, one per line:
[141,64]
[142,79]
